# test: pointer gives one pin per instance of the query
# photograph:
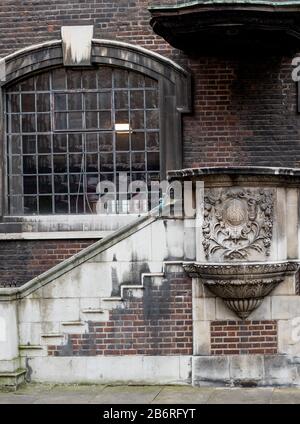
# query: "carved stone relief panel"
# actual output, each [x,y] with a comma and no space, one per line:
[237,223]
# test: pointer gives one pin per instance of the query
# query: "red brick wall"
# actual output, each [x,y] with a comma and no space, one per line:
[23,23]
[244,108]
[158,324]
[243,337]
[20,261]
[244,113]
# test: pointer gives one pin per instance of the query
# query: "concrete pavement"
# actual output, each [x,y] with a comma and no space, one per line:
[93,394]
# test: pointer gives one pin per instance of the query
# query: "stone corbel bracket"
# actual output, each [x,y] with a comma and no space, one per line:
[242,286]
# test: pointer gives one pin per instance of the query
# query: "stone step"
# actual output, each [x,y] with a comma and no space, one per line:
[74,327]
[32,350]
[53,339]
[136,290]
[94,314]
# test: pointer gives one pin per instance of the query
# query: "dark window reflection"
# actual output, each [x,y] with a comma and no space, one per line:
[62,138]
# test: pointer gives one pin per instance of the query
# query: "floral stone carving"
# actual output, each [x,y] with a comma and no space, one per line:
[237,221]
[242,286]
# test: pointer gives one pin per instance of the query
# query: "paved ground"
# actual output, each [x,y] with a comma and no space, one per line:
[62,394]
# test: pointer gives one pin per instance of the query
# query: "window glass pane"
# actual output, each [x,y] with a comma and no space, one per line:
[138,161]
[59,143]
[73,79]
[45,204]
[14,102]
[29,143]
[27,85]
[30,185]
[15,144]
[137,176]
[43,122]
[92,200]
[60,163]
[151,99]
[121,99]
[28,123]
[105,142]
[45,184]
[105,120]
[91,143]
[30,205]
[121,117]
[15,185]
[137,99]
[153,161]
[43,102]
[75,120]
[122,141]
[61,204]
[75,143]
[91,183]
[105,100]
[59,79]
[29,164]
[91,120]
[150,83]
[91,101]
[137,119]
[76,183]
[44,143]
[106,162]
[107,177]
[152,119]
[89,79]
[42,82]
[76,163]
[61,184]
[136,80]
[16,166]
[104,77]
[120,78]
[138,141]
[61,121]
[75,101]
[60,102]
[123,162]
[16,205]
[153,141]
[15,123]
[76,204]
[92,162]
[45,164]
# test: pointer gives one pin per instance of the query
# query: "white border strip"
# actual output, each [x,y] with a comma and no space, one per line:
[55,235]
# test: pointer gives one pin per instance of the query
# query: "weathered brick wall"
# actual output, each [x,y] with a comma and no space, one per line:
[159,323]
[23,23]
[20,261]
[243,337]
[244,108]
[244,113]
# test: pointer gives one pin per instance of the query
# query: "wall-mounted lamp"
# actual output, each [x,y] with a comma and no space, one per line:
[123,128]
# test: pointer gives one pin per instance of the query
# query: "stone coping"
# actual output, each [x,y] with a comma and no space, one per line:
[191,4]
[290,173]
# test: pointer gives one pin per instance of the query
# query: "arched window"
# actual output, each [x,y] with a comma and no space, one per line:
[68,129]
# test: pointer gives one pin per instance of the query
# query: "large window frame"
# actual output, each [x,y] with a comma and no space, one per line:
[62,138]
[174,85]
